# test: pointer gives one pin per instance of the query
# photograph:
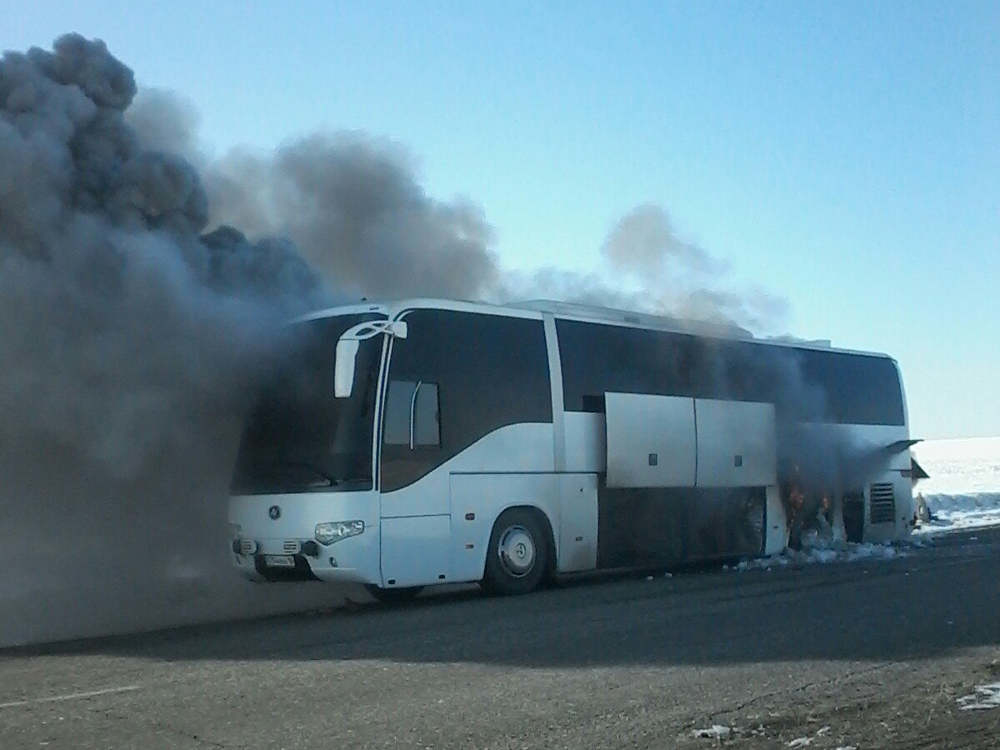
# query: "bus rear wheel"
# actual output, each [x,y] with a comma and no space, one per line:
[394,596]
[518,556]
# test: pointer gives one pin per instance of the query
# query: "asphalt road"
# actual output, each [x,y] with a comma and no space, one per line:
[864,654]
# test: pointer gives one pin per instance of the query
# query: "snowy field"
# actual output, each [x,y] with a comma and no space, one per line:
[964,486]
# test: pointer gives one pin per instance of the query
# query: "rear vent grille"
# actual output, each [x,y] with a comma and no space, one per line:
[290,547]
[882,508]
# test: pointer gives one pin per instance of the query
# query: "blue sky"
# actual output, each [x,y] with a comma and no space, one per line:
[843,155]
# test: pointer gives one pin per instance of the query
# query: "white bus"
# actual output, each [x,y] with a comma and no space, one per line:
[420,442]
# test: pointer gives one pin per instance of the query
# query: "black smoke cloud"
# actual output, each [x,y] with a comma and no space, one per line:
[136,317]
[128,349]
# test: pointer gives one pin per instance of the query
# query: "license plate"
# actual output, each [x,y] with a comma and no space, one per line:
[279,561]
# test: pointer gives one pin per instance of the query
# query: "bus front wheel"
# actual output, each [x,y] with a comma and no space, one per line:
[518,555]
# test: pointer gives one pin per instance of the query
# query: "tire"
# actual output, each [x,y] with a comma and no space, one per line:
[519,555]
[394,596]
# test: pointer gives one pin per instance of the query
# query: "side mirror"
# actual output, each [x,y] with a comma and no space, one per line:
[347,350]
[343,367]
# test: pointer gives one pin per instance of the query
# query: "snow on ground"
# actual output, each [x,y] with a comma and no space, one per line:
[816,552]
[951,512]
[716,731]
[963,490]
[985,698]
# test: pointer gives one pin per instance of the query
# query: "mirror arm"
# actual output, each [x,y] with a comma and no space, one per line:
[413,408]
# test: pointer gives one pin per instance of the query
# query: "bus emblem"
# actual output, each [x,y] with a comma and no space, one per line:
[274,512]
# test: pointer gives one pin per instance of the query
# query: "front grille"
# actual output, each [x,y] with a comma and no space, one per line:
[290,547]
[882,504]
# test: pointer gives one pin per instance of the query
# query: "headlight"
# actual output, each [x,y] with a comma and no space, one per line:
[334,531]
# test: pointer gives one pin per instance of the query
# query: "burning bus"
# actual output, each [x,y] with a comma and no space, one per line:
[419,442]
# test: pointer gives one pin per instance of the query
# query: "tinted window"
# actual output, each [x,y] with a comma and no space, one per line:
[600,358]
[803,384]
[426,415]
[406,401]
[484,372]
[860,389]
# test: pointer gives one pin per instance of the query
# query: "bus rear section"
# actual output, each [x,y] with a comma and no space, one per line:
[838,431]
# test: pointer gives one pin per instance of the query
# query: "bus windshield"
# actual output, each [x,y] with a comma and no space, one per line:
[298,437]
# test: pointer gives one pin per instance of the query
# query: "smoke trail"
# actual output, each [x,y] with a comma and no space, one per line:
[643,243]
[646,266]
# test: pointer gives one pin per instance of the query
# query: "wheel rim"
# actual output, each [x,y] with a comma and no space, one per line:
[517,551]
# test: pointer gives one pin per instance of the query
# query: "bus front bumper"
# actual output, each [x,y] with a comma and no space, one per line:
[270,562]
[265,548]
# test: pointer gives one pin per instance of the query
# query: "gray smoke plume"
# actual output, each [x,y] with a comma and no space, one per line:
[648,267]
[128,352]
[643,243]
[164,121]
[680,277]
[354,208]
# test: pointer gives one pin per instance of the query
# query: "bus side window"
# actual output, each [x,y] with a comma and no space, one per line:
[400,404]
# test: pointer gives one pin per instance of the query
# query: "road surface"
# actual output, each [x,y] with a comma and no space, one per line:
[864,654]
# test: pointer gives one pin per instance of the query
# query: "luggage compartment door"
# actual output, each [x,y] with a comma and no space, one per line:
[650,440]
[736,443]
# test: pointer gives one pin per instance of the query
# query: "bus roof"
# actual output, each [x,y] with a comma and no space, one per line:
[591,313]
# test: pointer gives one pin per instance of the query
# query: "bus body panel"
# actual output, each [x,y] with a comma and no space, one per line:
[586,445]
[516,448]
[578,515]
[415,551]
[736,443]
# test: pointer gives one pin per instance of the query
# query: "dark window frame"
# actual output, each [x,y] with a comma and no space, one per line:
[491,370]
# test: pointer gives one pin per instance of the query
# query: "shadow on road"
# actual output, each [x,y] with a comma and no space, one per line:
[924,604]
